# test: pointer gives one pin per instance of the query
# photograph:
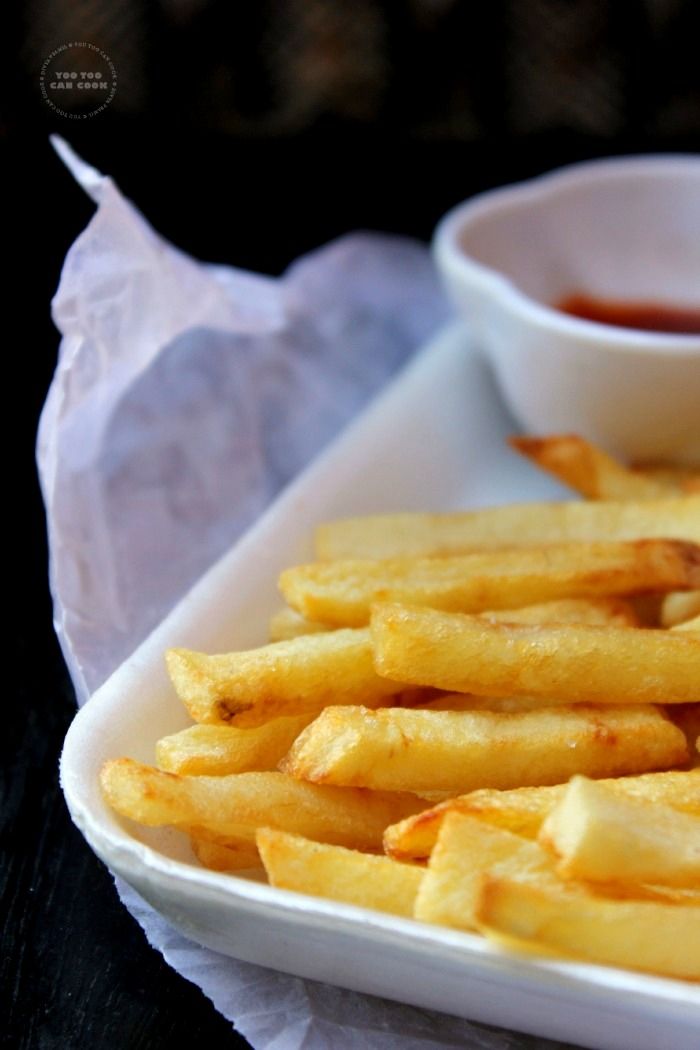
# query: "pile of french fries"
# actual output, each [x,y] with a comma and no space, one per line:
[488,720]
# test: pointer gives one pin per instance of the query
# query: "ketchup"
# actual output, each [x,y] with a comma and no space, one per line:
[649,316]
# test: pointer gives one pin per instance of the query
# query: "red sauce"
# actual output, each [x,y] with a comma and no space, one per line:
[649,316]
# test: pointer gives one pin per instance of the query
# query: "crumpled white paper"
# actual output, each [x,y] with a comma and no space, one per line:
[185,396]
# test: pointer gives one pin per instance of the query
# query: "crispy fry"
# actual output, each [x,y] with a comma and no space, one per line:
[688,625]
[523,810]
[587,469]
[504,704]
[544,912]
[342,593]
[288,623]
[295,863]
[615,612]
[687,718]
[517,525]
[228,804]
[466,849]
[678,607]
[601,836]
[230,857]
[401,749]
[684,477]
[577,663]
[298,676]
[211,750]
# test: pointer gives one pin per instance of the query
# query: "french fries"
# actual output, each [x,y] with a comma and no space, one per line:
[518,525]
[236,805]
[548,914]
[284,678]
[511,655]
[466,850]
[398,749]
[234,856]
[294,863]
[576,663]
[613,612]
[679,607]
[342,593]
[602,836]
[288,623]
[589,470]
[523,810]
[212,750]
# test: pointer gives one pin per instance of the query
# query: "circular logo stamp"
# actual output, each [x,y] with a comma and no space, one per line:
[78,80]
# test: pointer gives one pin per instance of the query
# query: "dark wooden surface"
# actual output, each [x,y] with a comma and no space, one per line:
[76,970]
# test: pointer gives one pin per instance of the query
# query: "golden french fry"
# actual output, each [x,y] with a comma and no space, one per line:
[678,607]
[687,718]
[517,525]
[342,593]
[298,676]
[601,836]
[224,858]
[466,849]
[614,612]
[295,863]
[213,750]
[577,663]
[684,477]
[523,810]
[288,623]
[504,704]
[589,470]
[227,804]
[402,749]
[543,912]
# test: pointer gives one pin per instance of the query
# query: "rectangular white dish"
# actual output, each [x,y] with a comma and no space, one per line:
[433,440]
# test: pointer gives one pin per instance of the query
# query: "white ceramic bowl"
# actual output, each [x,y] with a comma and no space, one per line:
[624,229]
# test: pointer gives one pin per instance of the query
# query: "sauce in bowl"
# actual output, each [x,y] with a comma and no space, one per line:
[648,316]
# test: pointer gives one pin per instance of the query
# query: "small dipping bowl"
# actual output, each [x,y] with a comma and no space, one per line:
[625,230]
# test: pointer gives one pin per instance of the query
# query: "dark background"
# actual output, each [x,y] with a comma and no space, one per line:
[250,138]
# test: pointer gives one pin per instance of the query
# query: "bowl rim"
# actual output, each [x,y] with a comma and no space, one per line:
[452,258]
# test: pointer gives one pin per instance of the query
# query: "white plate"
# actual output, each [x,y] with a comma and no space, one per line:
[434,439]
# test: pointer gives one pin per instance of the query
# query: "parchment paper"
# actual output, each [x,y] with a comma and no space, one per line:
[185,396]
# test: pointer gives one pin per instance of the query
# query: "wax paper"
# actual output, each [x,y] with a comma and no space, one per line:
[185,396]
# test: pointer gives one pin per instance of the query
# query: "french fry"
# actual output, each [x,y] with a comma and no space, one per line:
[684,477]
[295,863]
[523,810]
[601,836]
[589,470]
[228,805]
[687,718]
[545,913]
[577,663]
[402,749]
[679,607]
[613,612]
[517,525]
[504,704]
[466,849]
[213,750]
[295,677]
[230,857]
[288,623]
[342,593]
